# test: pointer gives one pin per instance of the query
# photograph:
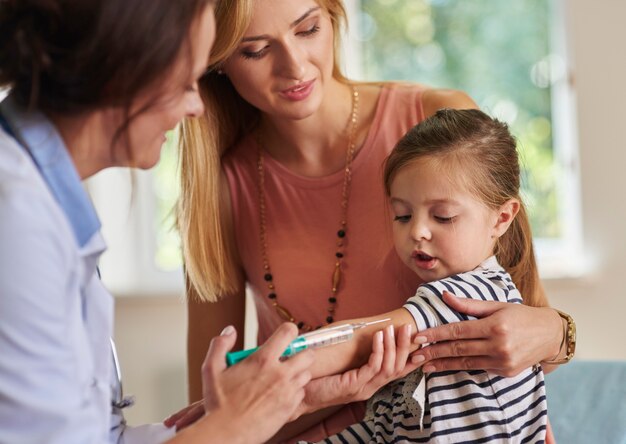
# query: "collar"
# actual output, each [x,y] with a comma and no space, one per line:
[41,140]
[490,265]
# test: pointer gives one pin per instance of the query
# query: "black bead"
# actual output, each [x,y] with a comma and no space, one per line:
[341,233]
[300,324]
[267,277]
[329,319]
[339,254]
[272,295]
[332,300]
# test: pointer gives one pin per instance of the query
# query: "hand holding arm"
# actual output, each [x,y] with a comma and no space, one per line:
[506,338]
[387,362]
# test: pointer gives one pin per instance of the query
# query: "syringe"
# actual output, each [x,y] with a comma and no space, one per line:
[313,339]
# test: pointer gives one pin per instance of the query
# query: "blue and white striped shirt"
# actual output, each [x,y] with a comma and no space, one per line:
[458,406]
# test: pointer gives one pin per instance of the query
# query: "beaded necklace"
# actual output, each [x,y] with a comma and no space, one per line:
[341,233]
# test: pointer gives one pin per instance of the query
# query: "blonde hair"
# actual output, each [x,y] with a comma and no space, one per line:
[209,254]
[485,153]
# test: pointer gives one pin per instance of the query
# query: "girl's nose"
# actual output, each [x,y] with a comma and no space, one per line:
[420,230]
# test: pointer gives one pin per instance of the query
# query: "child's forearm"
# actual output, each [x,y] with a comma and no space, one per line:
[354,353]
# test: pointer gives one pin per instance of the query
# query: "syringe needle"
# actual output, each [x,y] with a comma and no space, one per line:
[367,324]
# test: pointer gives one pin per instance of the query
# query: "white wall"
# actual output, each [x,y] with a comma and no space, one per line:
[151,331]
[598,303]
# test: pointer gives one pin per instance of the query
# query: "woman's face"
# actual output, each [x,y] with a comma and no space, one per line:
[169,101]
[285,61]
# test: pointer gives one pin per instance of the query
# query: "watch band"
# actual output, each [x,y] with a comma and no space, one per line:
[569,339]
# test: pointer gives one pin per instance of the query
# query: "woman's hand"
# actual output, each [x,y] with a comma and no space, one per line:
[387,362]
[507,339]
[186,416]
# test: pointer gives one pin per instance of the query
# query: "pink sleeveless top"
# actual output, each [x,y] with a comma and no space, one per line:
[302,220]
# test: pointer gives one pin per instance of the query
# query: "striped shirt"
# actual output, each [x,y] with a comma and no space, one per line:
[457,406]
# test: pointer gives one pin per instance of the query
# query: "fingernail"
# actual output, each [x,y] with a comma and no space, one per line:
[378,336]
[428,369]
[420,340]
[228,331]
[417,359]
[409,330]
[390,329]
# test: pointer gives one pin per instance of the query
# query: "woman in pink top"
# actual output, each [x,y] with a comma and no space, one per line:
[281,191]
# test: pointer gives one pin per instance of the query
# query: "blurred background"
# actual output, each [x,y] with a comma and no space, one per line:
[553,69]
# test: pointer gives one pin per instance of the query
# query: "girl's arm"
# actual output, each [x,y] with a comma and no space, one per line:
[356,352]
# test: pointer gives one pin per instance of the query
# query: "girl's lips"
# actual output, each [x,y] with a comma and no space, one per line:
[299,92]
[424,261]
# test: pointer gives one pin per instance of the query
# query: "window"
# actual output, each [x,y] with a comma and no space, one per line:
[510,57]
[136,209]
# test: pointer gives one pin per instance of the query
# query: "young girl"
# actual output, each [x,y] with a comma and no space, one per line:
[459,223]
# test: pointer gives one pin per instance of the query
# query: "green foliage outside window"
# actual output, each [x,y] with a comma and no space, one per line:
[496,51]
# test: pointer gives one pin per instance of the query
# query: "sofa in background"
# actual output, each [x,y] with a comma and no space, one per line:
[587,402]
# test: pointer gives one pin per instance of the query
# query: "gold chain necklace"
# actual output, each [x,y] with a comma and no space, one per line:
[341,233]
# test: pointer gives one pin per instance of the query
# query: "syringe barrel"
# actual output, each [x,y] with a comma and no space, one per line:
[313,339]
[322,338]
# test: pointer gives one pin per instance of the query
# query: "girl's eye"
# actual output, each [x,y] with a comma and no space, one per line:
[312,30]
[254,54]
[445,219]
[402,218]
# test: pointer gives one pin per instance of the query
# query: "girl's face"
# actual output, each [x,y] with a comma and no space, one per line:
[168,102]
[440,229]
[285,61]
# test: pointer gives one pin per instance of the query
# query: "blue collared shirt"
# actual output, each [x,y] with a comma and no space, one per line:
[56,318]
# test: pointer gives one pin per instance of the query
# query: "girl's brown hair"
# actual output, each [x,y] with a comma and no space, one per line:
[480,152]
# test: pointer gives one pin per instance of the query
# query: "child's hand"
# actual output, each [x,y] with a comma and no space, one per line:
[387,363]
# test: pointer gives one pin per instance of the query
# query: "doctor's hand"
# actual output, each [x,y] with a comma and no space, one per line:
[261,390]
[240,375]
[506,339]
[387,362]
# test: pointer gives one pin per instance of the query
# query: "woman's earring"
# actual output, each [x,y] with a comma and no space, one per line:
[220,72]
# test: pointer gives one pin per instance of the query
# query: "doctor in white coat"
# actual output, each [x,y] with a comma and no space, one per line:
[96,84]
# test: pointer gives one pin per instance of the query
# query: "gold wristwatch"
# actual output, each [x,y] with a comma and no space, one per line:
[569,339]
